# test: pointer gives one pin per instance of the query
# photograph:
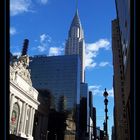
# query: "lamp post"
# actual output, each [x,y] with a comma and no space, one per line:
[105,94]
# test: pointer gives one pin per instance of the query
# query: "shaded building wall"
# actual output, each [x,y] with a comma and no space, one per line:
[90,115]
[83,90]
[123,16]
[118,83]
[94,122]
[83,116]
[113,133]
[40,129]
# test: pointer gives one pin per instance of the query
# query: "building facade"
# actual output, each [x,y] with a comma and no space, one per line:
[118,84]
[23,99]
[28,107]
[83,90]
[123,17]
[94,122]
[40,129]
[90,116]
[60,75]
[75,43]
[113,134]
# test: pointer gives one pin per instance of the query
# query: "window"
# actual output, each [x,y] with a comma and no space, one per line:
[14,119]
[125,23]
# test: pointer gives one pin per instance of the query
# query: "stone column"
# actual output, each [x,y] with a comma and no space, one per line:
[11,104]
[22,118]
[25,117]
[20,113]
[32,124]
[30,121]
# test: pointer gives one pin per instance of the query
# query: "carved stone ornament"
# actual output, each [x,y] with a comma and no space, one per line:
[21,68]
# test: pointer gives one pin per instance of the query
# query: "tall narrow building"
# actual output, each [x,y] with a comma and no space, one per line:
[118,84]
[75,43]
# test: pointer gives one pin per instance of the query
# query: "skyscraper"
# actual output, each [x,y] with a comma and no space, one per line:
[118,83]
[125,38]
[60,75]
[75,43]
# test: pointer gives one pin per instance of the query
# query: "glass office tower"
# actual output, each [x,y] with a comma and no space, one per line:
[60,75]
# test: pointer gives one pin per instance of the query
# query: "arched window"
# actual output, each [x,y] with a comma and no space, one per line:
[14,118]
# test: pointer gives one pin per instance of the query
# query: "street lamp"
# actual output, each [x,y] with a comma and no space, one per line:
[105,94]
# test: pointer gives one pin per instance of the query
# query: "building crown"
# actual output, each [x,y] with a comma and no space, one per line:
[76,20]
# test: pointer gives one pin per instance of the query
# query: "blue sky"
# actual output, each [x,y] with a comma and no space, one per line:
[46,23]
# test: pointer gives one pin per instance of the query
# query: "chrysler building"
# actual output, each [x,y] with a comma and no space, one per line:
[75,43]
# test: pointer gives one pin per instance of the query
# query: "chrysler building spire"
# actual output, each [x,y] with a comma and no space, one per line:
[75,43]
[76,5]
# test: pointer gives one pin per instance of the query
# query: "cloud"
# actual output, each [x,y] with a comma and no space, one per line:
[41,48]
[92,50]
[95,89]
[102,43]
[45,38]
[16,53]
[19,6]
[22,6]
[43,1]
[48,45]
[111,92]
[98,91]
[44,42]
[103,64]
[54,51]
[13,31]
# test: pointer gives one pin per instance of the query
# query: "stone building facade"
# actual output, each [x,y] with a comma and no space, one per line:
[23,99]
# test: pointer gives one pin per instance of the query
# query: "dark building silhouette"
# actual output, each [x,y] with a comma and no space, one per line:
[123,11]
[101,135]
[56,125]
[94,122]
[113,134]
[83,116]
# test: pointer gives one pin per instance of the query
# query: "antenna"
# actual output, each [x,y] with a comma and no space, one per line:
[76,5]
